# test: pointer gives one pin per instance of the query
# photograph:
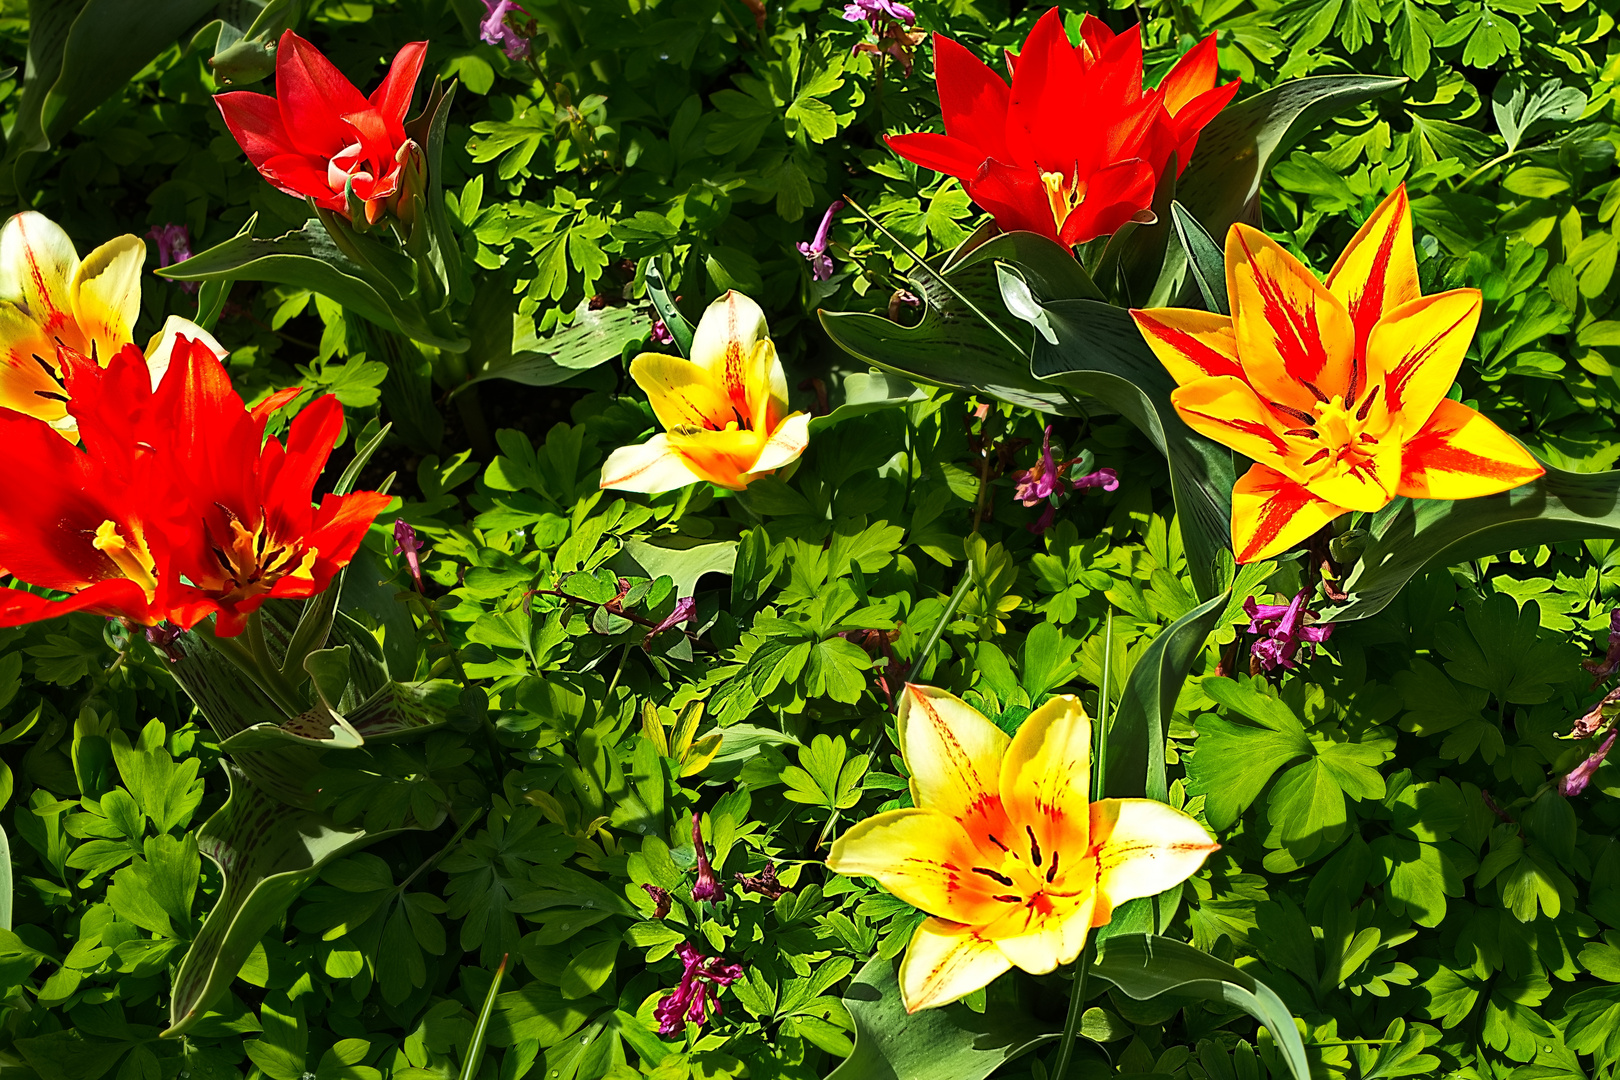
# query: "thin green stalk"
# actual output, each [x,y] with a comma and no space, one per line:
[1077,996]
[944,620]
[246,661]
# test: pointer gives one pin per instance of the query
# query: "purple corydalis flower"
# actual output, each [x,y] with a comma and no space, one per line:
[1046,481]
[174,246]
[695,998]
[661,334]
[684,609]
[1283,630]
[821,265]
[162,637]
[705,887]
[873,12]
[661,900]
[496,30]
[406,544]
[1575,782]
[764,883]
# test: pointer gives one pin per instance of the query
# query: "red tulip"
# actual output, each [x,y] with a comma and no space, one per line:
[175,505]
[320,133]
[1074,148]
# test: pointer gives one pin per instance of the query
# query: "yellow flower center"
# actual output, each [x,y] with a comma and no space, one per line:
[133,559]
[1343,431]
[1033,878]
[253,562]
[1063,195]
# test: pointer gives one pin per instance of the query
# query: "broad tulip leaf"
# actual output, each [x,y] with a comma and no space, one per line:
[311,259]
[1137,732]
[267,853]
[1239,147]
[81,53]
[1205,260]
[592,339]
[1145,966]
[966,339]
[5,881]
[949,1043]
[1410,535]
[1095,349]
[674,321]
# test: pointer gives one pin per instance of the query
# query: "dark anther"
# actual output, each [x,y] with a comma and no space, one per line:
[991,874]
[1034,846]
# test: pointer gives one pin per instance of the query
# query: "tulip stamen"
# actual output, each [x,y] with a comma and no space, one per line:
[994,876]
[1034,845]
[998,843]
[1052,870]
[1298,414]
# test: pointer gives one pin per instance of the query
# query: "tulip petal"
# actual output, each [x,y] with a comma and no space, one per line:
[954,754]
[160,349]
[683,394]
[1143,848]
[1045,781]
[1048,71]
[106,295]
[255,123]
[29,367]
[314,96]
[393,95]
[923,857]
[651,468]
[1052,938]
[303,177]
[946,961]
[1271,513]
[1420,347]
[786,443]
[1227,410]
[722,457]
[973,99]
[723,344]
[37,261]
[1196,115]
[1193,74]
[116,596]
[1460,454]
[1378,270]
[943,154]
[1190,344]
[1114,195]
[1295,339]
[1015,197]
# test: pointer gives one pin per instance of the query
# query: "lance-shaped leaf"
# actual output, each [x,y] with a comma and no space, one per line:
[591,340]
[953,1041]
[1205,260]
[1143,966]
[1238,149]
[1410,535]
[267,853]
[311,259]
[674,321]
[966,339]
[79,54]
[443,254]
[1095,349]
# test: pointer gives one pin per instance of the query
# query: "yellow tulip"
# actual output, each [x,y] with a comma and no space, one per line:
[51,300]
[724,411]
[1336,391]
[1004,849]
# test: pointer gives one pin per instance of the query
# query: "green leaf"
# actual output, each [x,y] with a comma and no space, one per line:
[1410,535]
[480,1033]
[953,1041]
[7,893]
[1096,349]
[1232,762]
[1145,966]
[1521,112]
[674,321]
[1136,733]
[155,891]
[266,852]
[594,338]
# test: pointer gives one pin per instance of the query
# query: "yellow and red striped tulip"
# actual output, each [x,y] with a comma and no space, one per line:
[1336,390]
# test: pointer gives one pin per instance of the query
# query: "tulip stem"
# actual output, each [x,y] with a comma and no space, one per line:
[1077,1009]
[945,617]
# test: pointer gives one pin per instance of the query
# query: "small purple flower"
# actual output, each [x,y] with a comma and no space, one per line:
[695,998]
[1581,775]
[764,883]
[174,246]
[705,887]
[496,29]
[661,334]
[1602,669]
[661,900]
[406,544]
[1283,630]
[1043,480]
[873,12]
[1107,479]
[821,265]
[684,609]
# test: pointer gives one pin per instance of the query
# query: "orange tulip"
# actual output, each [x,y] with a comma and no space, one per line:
[1337,391]
[1004,848]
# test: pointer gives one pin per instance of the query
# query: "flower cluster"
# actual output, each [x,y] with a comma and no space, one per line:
[1047,481]
[1282,631]
[694,999]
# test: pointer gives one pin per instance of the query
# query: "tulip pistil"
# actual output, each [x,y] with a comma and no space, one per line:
[133,559]
[1064,195]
